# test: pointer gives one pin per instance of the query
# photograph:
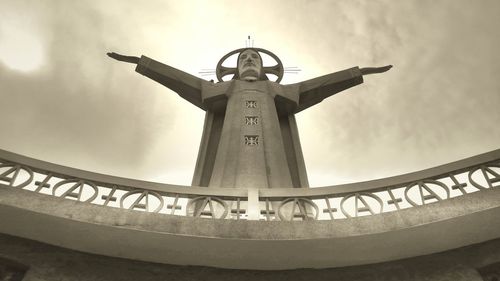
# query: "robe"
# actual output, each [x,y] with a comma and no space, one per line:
[250,137]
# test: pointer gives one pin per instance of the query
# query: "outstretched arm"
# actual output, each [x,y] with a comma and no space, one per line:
[129,59]
[373,70]
[184,84]
[315,90]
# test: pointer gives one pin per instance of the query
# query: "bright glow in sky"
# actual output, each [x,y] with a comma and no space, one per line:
[29,57]
[66,102]
[20,46]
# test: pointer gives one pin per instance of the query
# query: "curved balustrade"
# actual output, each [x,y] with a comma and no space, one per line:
[323,203]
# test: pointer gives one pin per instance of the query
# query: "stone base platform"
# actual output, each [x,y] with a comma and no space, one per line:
[31,260]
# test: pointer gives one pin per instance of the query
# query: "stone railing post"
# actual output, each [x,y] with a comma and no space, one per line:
[253,209]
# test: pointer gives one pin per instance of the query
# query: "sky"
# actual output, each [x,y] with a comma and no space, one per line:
[62,100]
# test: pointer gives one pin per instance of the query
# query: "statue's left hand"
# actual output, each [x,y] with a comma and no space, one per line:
[373,70]
[130,59]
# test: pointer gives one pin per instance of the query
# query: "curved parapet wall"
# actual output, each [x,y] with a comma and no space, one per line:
[323,203]
[433,210]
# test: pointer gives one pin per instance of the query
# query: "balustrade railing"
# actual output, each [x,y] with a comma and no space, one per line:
[323,203]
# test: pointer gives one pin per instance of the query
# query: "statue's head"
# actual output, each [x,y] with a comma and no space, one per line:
[250,66]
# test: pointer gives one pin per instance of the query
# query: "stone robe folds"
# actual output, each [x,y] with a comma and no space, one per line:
[250,137]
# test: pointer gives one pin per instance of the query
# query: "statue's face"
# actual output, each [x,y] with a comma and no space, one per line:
[249,65]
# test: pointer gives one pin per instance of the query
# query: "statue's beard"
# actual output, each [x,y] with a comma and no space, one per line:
[250,75]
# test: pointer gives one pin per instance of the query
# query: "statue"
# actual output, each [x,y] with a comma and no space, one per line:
[250,136]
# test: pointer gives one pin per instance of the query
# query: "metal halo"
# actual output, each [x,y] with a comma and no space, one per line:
[277,69]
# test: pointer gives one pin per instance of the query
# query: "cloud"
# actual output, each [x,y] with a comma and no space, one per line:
[439,103]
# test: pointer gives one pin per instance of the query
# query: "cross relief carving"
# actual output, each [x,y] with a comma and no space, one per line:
[252,140]
[251,104]
[251,120]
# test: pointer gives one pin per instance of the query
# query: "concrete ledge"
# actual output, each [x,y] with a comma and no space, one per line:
[432,228]
[46,262]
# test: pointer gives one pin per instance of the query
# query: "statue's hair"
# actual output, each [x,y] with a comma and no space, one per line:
[262,76]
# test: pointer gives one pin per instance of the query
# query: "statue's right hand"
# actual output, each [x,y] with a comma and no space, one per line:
[372,70]
[113,55]
[130,59]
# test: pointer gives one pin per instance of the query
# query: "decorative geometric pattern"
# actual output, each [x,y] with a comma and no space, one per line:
[208,206]
[251,120]
[302,208]
[327,205]
[361,204]
[15,175]
[252,140]
[141,201]
[251,104]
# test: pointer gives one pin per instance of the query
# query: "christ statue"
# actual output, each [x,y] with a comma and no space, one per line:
[250,137]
